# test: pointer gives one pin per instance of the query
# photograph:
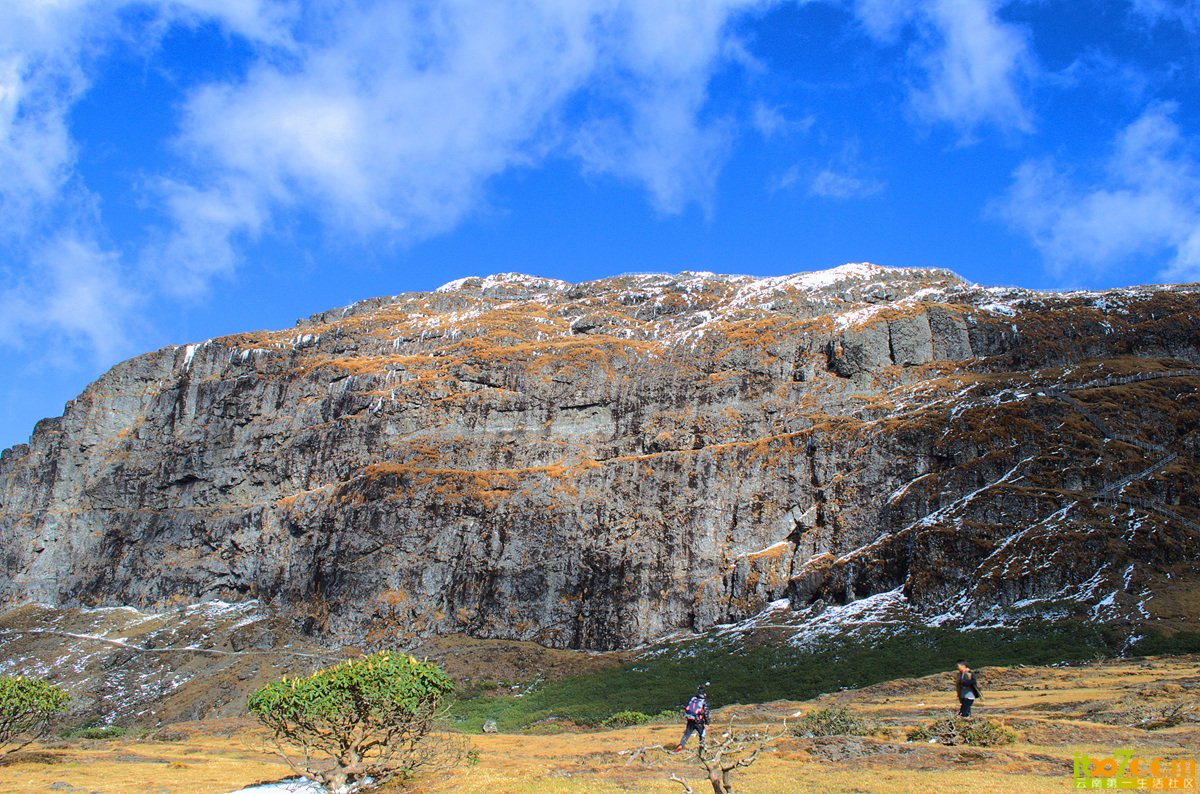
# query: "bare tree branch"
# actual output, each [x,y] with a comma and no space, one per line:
[687,788]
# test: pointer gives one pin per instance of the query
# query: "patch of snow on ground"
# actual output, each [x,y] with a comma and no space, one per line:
[1003,309]
[218,608]
[290,786]
[762,619]
[857,316]
[1108,601]
[881,608]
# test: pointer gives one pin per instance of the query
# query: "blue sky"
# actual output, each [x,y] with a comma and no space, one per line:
[172,170]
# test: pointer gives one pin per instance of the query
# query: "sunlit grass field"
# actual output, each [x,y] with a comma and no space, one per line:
[1055,712]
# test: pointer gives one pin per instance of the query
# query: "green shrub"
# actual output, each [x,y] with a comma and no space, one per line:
[26,708]
[93,731]
[975,731]
[366,717]
[762,671]
[834,721]
[626,719]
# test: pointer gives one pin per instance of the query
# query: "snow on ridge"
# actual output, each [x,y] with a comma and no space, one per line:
[455,285]
[808,280]
[819,279]
[503,280]
[998,307]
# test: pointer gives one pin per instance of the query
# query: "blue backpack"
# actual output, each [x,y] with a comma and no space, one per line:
[696,709]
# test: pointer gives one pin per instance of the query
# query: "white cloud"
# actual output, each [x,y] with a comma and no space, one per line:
[974,64]
[975,75]
[771,122]
[885,20]
[72,299]
[1184,12]
[64,291]
[374,117]
[203,243]
[829,183]
[395,118]
[844,176]
[1144,203]
[263,21]
[390,118]
[656,59]
[47,52]
[41,45]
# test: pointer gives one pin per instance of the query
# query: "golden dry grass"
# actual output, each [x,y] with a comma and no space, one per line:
[1054,711]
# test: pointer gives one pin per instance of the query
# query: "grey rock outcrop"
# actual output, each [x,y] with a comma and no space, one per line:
[600,464]
[911,340]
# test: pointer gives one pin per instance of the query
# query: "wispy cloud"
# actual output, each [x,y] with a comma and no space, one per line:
[772,122]
[1184,12]
[842,185]
[48,52]
[41,77]
[72,300]
[974,65]
[396,117]
[377,118]
[842,177]
[1145,201]
[66,291]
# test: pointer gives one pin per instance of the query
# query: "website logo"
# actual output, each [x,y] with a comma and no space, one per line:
[1125,769]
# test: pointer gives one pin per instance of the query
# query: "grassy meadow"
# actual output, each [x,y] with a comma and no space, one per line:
[1054,712]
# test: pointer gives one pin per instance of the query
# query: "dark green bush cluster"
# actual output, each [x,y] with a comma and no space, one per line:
[626,719]
[762,672]
[975,731]
[93,730]
[833,721]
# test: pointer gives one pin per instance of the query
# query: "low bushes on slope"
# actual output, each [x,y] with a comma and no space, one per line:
[833,721]
[975,731]
[745,671]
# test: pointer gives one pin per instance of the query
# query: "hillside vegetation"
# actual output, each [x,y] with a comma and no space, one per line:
[1054,712]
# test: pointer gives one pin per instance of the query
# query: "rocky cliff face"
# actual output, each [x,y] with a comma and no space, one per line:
[599,464]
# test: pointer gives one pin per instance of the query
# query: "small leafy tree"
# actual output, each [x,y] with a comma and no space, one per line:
[371,717]
[26,708]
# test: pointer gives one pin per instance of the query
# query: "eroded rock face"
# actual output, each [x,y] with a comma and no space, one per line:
[596,465]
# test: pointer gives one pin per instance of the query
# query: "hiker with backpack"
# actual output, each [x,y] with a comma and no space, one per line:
[968,690]
[696,714]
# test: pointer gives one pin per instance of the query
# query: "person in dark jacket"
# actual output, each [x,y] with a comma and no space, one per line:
[696,713]
[968,691]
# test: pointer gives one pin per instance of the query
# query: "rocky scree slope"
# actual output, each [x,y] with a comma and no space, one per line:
[596,465]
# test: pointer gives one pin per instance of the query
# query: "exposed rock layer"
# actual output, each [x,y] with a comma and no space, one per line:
[596,465]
